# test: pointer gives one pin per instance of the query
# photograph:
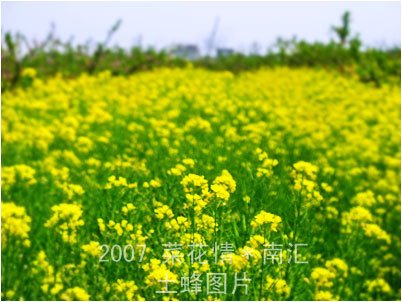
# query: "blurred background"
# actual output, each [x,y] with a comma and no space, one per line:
[69,38]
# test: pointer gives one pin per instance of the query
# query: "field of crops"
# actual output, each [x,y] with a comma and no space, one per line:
[278,184]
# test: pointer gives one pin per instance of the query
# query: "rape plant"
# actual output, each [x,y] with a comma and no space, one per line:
[187,184]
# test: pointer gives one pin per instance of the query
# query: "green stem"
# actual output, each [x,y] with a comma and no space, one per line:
[295,232]
[262,267]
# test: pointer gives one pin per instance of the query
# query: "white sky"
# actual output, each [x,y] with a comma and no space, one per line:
[241,23]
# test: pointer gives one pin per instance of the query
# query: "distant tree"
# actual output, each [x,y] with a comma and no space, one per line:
[343,31]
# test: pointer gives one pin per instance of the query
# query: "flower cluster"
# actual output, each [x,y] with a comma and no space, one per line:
[128,289]
[15,224]
[264,218]
[75,294]
[223,185]
[267,164]
[51,281]
[21,174]
[324,278]
[157,270]
[93,249]
[305,175]
[66,220]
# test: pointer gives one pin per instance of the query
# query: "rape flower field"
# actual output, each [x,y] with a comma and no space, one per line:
[278,184]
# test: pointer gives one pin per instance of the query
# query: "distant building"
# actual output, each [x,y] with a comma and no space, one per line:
[223,52]
[185,51]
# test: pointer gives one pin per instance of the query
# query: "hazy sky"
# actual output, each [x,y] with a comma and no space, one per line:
[161,24]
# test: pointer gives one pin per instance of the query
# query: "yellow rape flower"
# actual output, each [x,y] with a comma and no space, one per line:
[372,230]
[15,223]
[128,288]
[337,266]
[189,162]
[264,218]
[192,181]
[75,294]
[114,181]
[279,286]
[163,211]
[66,220]
[378,285]
[129,207]
[322,277]
[324,295]
[29,72]
[93,248]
